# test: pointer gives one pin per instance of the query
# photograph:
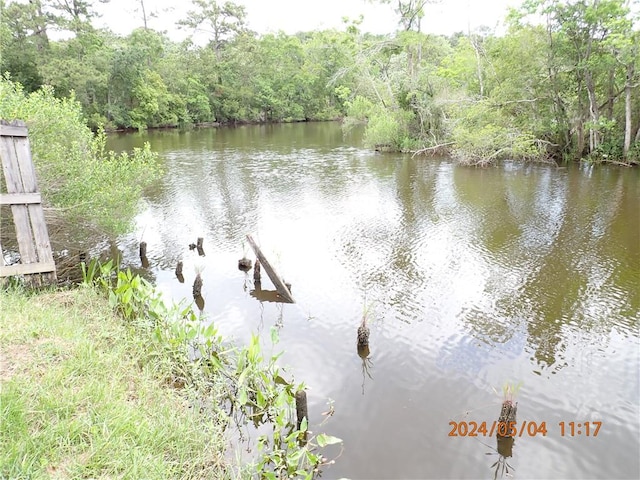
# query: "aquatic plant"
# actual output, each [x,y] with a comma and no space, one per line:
[237,384]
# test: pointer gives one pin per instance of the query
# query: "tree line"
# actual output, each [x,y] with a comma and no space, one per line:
[562,83]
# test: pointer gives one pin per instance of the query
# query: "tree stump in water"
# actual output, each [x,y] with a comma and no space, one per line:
[301,407]
[197,286]
[363,334]
[507,418]
[244,264]
[179,275]
[143,255]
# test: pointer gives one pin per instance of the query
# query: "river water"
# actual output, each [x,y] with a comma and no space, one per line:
[472,279]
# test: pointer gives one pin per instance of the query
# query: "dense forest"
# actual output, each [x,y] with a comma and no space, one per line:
[562,83]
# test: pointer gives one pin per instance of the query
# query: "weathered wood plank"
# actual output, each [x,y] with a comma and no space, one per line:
[28,215]
[27,170]
[11,170]
[19,198]
[27,268]
[13,131]
[275,278]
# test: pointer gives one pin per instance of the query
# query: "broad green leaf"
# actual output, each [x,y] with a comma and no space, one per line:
[324,440]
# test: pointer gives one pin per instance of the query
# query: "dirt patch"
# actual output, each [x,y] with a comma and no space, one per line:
[13,359]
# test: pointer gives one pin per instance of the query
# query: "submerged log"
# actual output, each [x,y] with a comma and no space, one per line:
[275,278]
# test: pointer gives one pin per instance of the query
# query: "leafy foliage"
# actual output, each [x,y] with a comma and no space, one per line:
[563,82]
[244,385]
[76,174]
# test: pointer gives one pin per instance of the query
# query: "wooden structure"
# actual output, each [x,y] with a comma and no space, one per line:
[26,206]
[282,289]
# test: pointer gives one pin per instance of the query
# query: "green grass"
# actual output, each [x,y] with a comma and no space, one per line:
[82,396]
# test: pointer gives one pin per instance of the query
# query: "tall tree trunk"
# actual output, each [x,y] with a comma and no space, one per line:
[144,14]
[476,48]
[594,114]
[627,110]
[559,109]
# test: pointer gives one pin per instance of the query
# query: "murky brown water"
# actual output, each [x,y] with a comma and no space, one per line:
[474,278]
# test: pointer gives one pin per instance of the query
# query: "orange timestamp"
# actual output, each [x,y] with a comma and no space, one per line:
[519,429]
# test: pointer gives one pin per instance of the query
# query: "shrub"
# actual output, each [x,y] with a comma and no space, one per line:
[76,174]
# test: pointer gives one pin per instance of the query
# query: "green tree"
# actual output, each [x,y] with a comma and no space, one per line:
[24,40]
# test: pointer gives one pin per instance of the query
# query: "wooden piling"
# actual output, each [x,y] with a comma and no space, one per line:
[179,275]
[507,418]
[256,271]
[143,255]
[282,289]
[244,264]
[301,407]
[197,286]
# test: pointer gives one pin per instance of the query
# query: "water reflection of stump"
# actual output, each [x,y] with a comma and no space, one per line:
[505,438]
[364,353]
[266,295]
[199,302]
[505,446]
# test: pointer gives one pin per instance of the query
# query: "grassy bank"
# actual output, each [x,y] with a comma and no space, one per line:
[83,396]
